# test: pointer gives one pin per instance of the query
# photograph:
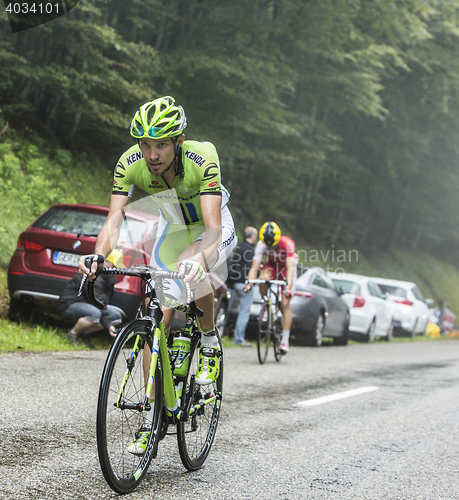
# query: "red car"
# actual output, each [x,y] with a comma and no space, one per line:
[47,257]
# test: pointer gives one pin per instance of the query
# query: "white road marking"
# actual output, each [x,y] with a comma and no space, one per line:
[335,397]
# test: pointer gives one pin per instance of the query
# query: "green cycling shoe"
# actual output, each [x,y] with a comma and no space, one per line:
[139,445]
[209,366]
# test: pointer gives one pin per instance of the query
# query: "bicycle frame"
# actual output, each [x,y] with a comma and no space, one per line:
[270,292]
[155,318]
[140,354]
[172,392]
[268,319]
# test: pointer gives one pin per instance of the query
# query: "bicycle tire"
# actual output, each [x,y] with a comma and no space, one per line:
[277,338]
[264,332]
[116,427]
[195,436]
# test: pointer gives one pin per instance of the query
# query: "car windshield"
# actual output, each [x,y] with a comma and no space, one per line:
[393,290]
[67,220]
[349,286]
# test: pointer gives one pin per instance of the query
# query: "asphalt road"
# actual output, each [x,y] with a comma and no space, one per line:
[399,441]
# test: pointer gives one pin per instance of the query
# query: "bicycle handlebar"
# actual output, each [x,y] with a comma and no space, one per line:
[143,272]
[267,282]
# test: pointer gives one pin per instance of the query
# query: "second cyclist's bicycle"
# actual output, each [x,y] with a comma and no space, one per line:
[139,376]
[269,320]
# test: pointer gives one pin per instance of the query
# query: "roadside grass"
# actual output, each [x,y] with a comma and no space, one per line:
[26,337]
[37,338]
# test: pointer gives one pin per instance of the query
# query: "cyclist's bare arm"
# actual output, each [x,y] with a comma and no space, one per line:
[211,208]
[108,236]
[204,256]
[254,269]
[252,273]
[290,263]
[206,252]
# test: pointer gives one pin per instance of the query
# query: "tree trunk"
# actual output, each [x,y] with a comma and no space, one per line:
[417,237]
[338,227]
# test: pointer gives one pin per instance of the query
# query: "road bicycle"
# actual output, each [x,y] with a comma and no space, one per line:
[269,320]
[126,391]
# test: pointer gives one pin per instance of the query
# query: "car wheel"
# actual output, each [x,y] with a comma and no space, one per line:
[317,333]
[344,337]
[20,311]
[220,317]
[390,331]
[370,335]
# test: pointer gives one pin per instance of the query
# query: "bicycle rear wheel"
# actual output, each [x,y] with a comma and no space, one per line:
[264,332]
[117,425]
[196,435]
[277,337]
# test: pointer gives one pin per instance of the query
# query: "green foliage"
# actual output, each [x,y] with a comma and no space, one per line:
[33,179]
[336,118]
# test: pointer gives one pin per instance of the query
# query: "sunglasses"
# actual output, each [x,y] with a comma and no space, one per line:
[154,132]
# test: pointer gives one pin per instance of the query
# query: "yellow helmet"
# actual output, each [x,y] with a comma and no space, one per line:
[270,234]
[116,258]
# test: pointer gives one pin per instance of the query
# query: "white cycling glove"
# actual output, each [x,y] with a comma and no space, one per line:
[194,265]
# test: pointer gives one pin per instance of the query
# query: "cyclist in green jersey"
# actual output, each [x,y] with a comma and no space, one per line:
[196,231]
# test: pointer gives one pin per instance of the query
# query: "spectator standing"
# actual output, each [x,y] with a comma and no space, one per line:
[241,263]
[85,317]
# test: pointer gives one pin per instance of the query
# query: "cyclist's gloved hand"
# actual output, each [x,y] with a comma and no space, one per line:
[247,287]
[193,271]
[288,294]
[88,264]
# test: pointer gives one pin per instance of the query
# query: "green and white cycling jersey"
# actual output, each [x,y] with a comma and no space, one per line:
[197,172]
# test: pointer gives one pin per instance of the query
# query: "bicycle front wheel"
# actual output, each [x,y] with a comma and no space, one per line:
[119,409]
[264,332]
[196,434]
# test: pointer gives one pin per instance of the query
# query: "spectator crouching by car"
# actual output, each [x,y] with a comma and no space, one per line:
[84,317]
[241,263]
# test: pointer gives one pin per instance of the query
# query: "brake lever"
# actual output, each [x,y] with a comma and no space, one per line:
[83,281]
[91,297]
[87,263]
[190,295]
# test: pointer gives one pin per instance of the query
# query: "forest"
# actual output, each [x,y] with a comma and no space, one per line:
[338,119]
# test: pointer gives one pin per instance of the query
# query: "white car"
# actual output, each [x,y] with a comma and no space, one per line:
[370,314]
[411,311]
